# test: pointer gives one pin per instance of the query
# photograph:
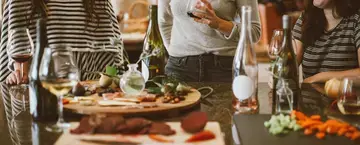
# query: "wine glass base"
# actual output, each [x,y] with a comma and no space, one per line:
[58,127]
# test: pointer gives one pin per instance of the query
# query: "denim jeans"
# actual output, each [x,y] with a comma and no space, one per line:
[200,68]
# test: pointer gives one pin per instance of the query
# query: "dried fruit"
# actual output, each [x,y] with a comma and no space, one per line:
[78,90]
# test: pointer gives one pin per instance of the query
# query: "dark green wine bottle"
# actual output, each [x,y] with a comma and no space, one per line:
[286,65]
[155,65]
[43,104]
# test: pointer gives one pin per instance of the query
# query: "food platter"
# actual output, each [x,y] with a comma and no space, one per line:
[67,138]
[191,99]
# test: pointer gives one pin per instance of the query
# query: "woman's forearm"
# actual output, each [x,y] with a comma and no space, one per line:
[225,27]
[325,76]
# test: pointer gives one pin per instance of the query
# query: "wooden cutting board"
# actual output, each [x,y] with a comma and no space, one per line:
[191,100]
[179,138]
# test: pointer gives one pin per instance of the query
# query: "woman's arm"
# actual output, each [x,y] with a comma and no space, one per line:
[165,20]
[325,76]
[298,46]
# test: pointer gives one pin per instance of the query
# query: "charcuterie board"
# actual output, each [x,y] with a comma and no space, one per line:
[191,99]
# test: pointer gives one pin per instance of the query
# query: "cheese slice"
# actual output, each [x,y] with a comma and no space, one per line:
[115,103]
[127,100]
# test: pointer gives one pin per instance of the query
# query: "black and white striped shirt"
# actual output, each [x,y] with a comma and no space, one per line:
[335,50]
[69,25]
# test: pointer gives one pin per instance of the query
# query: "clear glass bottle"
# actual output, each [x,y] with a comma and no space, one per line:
[245,69]
[132,82]
[284,99]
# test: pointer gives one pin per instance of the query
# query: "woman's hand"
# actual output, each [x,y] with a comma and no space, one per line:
[210,18]
[14,78]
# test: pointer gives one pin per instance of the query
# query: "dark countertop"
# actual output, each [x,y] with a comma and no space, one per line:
[20,129]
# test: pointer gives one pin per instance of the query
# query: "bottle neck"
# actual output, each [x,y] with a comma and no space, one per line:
[246,22]
[153,16]
[287,40]
[132,67]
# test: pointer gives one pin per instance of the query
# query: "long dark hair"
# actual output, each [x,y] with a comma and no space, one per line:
[314,21]
[39,7]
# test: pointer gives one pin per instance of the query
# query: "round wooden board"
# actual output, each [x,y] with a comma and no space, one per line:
[191,100]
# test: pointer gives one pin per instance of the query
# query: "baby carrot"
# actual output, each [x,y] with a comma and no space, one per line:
[322,127]
[341,131]
[315,117]
[352,128]
[355,135]
[320,135]
[332,129]
[308,131]
[309,123]
[300,115]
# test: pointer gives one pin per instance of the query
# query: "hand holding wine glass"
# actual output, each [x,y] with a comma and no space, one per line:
[203,12]
[20,49]
[58,74]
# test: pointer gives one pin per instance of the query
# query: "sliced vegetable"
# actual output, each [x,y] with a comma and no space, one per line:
[159,138]
[320,135]
[308,132]
[281,124]
[331,126]
[201,136]
[65,101]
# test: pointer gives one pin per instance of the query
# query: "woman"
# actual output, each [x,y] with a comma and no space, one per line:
[202,49]
[86,26]
[328,40]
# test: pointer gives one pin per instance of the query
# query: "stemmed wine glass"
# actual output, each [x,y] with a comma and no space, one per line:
[275,45]
[190,8]
[274,50]
[349,99]
[20,47]
[58,74]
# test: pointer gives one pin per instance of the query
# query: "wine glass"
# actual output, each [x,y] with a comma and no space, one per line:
[349,100]
[190,8]
[20,47]
[275,44]
[58,74]
[274,49]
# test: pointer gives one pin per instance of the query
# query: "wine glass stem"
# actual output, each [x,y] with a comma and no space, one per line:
[60,110]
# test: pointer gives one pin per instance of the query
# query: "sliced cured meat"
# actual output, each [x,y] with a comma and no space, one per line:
[84,127]
[108,124]
[161,128]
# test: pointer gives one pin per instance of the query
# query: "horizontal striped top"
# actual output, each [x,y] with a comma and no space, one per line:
[67,25]
[335,50]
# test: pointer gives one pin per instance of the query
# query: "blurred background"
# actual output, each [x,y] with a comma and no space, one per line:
[133,20]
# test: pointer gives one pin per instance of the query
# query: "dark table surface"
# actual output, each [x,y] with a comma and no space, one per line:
[17,128]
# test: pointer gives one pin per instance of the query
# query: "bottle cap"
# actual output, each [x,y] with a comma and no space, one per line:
[286,21]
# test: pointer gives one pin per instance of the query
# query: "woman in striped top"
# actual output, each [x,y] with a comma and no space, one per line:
[328,40]
[87,26]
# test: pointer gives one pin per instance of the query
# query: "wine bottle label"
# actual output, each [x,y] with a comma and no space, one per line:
[243,87]
[145,71]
